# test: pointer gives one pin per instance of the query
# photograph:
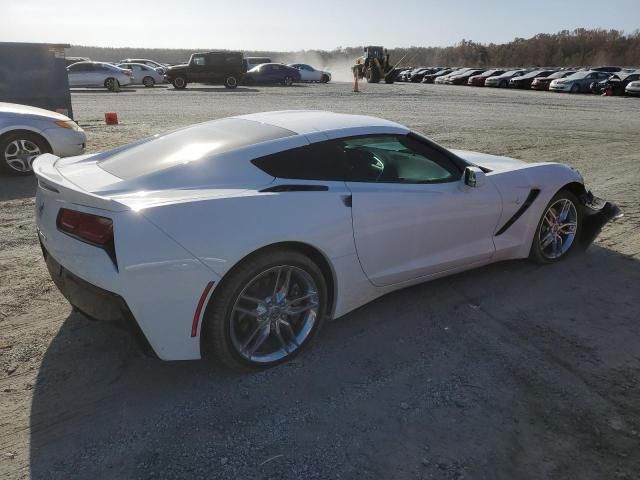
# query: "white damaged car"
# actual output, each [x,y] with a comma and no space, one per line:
[237,238]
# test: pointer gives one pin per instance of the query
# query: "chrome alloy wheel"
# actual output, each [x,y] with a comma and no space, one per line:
[274,314]
[20,154]
[558,229]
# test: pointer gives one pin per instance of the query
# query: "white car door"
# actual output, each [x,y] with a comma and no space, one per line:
[311,75]
[412,214]
[80,75]
[140,72]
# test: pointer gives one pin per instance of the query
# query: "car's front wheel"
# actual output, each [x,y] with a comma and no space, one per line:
[266,311]
[558,229]
[19,150]
[148,82]
[288,81]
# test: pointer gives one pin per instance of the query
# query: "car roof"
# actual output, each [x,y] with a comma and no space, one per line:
[219,151]
[304,122]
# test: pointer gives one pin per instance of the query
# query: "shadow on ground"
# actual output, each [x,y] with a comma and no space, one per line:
[510,371]
[214,89]
[14,187]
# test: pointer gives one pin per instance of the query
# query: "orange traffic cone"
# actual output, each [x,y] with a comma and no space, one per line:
[355,83]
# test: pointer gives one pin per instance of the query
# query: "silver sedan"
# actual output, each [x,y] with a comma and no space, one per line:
[26,132]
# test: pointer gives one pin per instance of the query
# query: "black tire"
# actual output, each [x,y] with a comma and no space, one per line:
[288,81]
[537,254]
[372,76]
[6,142]
[231,82]
[148,82]
[325,79]
[112,84]
[216,341]
[179,83]
[575,89]
[389,79]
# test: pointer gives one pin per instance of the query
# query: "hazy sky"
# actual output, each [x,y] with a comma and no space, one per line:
[301,24]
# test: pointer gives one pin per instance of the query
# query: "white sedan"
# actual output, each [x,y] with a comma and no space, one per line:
[237,238]
[98,74]
[26,132]
[143,74]
[310,74]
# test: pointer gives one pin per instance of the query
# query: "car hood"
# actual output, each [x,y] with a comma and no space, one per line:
[17,109]
[174,68]
[492,162]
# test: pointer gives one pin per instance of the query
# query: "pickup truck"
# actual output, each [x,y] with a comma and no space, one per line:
[219,67]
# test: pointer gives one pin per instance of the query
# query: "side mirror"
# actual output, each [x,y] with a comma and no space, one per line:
[473,177]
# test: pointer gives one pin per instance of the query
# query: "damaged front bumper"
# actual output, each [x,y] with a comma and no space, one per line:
[596,213]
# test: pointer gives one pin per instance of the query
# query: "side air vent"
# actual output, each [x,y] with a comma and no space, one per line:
[533,194]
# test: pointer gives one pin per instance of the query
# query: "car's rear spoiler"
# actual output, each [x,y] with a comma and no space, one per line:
[49,178]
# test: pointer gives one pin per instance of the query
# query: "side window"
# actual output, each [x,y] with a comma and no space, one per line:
[198,61]
[395,159]
[318,161]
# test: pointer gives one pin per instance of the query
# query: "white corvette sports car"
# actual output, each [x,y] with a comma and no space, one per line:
[238,237]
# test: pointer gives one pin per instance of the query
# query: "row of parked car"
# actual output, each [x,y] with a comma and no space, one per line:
[218,67]
[601,80]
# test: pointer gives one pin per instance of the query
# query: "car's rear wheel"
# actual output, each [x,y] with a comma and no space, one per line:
[231,82]
[148,82]
[288,81]
[112,84]
[266,311]
[179,83]
[19,150]
[558,229]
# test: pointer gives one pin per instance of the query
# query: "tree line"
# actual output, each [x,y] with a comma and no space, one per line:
[577,48]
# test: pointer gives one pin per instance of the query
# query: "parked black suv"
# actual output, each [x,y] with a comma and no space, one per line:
[220,67]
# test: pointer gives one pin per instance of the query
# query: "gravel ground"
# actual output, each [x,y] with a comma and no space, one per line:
[510,371]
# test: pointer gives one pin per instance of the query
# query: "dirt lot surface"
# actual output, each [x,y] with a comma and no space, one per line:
[513,371]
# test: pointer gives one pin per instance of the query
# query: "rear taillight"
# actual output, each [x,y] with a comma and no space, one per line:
[85,226]
[88,228]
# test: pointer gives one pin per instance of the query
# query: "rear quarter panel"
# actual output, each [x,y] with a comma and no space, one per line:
[160,281]
[222,231]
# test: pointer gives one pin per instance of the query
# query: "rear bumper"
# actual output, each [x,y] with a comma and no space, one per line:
[94,302]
